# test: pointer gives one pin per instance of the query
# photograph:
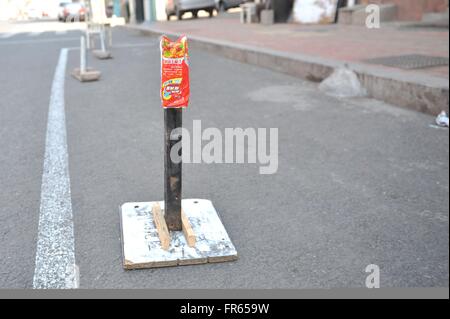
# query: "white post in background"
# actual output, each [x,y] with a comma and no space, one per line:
[102,39]
[160,9]
[147,12]
[83,55]
[132,11]
[4,10]
[351,3]
[88,38]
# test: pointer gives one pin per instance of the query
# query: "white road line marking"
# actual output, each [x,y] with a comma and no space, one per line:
[35,33]
[7,35]
[55,255]
[60,32]
[134,45]
[41,41]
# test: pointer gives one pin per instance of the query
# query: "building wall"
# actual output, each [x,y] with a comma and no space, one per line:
[413,9]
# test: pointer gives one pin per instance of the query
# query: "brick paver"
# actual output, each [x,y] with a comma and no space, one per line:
[337,42]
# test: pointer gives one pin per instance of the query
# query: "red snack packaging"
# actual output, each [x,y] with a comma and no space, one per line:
[174,72]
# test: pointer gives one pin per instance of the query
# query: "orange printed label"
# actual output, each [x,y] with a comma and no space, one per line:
[174,72]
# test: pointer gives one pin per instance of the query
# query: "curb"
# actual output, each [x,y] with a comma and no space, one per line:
[423,93]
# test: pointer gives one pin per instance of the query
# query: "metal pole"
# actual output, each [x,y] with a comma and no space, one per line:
[83,55]
[110,36]
[152,11]
[132,11]
[88,37]
[102,39]
[172,171]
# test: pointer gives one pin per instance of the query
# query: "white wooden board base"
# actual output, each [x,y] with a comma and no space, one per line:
[142,248]
[89,76]
[102,55]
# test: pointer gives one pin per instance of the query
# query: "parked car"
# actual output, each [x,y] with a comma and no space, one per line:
[61,6]
[224,5]
[72,12]
[179,7]
[59,11]
[33,13]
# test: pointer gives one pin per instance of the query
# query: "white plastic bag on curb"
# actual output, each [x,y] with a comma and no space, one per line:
[343,82]
[442,119]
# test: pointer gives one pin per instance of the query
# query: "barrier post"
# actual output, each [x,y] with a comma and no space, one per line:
[173,231]
[172,171]
[83,55]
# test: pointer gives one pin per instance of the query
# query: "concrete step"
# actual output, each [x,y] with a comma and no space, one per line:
[346,14]
[357,15]
[420,92]
[439,19]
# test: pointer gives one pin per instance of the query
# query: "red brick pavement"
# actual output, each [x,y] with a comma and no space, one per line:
[337,42]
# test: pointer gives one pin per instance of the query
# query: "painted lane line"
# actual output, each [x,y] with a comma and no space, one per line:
[134,45]
[35,33]
[7,35]
[55,257]
[41,41]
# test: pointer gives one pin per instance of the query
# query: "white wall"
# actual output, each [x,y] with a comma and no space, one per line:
[160,10]
[4,10]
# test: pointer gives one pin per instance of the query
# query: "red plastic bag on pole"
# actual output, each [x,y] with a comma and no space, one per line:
[174,72]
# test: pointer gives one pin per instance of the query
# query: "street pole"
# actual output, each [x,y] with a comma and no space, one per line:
[132,11]
[172,171]
[152,10]
[83,55]
[155,236]
[102,39]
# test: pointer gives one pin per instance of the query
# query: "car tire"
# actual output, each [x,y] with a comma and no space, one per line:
[179,14]
[221,7]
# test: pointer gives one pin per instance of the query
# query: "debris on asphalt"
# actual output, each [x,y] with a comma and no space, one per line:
[343,82]
[442,119]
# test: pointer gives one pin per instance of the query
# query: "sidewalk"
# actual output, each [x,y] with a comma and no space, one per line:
[329,46]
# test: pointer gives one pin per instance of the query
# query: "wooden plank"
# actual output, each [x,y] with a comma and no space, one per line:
[102,55]
[88,76]
[221,259]
[161,226]
[187,230]
[154,264]
[141,245]
[196,261]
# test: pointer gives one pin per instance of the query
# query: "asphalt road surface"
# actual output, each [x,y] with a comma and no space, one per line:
[359,182]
